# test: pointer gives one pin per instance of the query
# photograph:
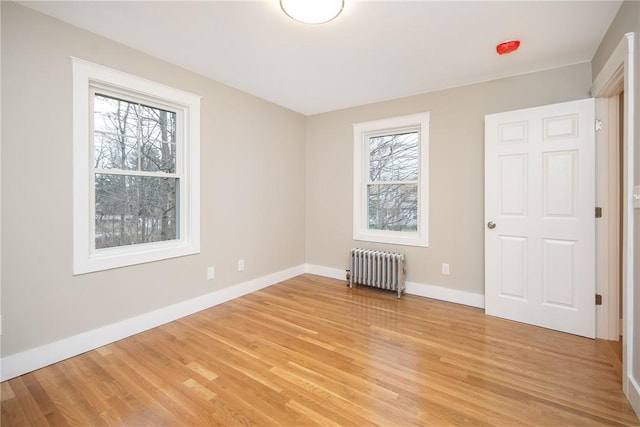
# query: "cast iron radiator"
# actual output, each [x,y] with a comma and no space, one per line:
[384,270]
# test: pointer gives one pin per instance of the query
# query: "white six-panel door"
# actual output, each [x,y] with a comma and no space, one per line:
[539,216]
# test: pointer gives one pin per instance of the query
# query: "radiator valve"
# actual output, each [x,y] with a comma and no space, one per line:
[348,277]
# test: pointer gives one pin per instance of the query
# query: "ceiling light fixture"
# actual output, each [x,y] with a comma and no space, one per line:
[312,11]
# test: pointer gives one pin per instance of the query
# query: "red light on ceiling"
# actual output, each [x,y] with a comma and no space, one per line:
[507,47]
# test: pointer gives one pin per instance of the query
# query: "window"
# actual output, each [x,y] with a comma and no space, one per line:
[391,180]
[136,170]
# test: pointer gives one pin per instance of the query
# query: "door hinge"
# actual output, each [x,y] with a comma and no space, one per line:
[598,299]
[598,125]
[598,212]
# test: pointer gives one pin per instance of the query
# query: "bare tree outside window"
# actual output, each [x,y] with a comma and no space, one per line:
[136,189]
[392,191]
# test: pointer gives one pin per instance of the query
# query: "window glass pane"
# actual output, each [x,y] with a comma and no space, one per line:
[132,136]
[393,207]
[114,151]
[114,116]
[394,157]
[158,140]
[134,209]
[158,156]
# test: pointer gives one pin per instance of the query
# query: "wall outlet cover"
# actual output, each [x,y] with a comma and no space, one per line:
[445,268]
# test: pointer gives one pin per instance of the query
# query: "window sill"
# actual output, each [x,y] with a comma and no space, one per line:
[404,239]
[108,258]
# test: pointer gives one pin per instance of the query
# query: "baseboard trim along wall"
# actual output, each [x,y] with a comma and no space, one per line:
[39,357]
[413,288]
[634,395]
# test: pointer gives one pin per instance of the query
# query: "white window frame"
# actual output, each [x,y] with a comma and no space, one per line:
[361,133]
[86,258]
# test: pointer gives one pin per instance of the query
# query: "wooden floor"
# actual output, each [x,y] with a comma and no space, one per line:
[310,351]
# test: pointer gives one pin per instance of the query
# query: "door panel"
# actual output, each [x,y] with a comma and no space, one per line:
[559,265]
[513,263]
[513,185]
[560,185]
[540,193]
[560,127]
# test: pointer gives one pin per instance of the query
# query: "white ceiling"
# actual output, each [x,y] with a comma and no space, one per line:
[374,51]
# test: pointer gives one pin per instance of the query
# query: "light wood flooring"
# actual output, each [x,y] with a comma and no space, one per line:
[310,351]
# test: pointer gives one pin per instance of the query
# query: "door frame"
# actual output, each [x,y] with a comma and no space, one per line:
[608,226]
[618,73]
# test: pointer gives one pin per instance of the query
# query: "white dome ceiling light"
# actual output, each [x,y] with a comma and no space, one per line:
[312,11]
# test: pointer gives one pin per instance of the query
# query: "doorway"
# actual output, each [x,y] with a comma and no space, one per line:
[609,149]
[617,76]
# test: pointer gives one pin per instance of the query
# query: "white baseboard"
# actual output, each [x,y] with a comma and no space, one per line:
[413,288]
[333,273]
[633,395]
[39,357]
[446,294]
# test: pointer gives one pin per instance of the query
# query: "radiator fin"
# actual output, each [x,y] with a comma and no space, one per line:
[384,270]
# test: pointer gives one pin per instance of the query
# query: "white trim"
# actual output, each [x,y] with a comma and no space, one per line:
[609,80]
[333,273]
[413,288]
[87,75]
[605,84]
[39,357]
[633,394]
[445,294]
[361,133]
[36,358]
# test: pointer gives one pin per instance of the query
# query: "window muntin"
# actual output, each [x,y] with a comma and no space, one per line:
[136,170]
[391,180]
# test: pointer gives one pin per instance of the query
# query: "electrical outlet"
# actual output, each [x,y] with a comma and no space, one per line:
[211,273]
[240,265]
[445,268]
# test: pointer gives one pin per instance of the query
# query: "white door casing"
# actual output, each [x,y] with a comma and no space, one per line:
[540,194]
[618,75]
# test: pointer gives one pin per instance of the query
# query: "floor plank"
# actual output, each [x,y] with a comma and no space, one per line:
[310,351]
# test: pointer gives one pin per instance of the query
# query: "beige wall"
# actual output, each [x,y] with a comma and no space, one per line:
[628,20]
[252,193]
[456,172]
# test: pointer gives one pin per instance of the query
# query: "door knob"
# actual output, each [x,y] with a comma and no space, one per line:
[491,225]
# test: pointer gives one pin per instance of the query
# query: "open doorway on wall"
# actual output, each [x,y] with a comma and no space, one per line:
[614,85]
[609,155]
[610,169]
